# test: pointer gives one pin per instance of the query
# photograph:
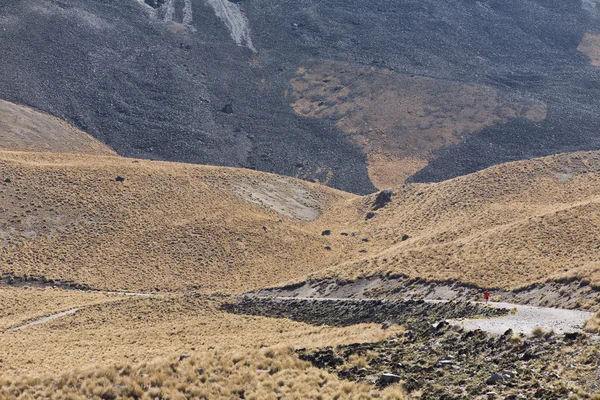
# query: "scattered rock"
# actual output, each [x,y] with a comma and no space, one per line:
[405,237]
[328,248]
[227,109]
[365,240]
[495,378]
[120,178]
[383,198]
[362,251]
[388,378]
[386,325]
[326,232]
[572,335]
[370,215]
[7,180]
[183,357]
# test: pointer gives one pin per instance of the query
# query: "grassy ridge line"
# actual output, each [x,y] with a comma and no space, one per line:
[508,226]
[169,226]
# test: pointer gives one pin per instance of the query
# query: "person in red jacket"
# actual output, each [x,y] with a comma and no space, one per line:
[486,295]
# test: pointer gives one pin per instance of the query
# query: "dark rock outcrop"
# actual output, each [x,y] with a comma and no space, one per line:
[383,198]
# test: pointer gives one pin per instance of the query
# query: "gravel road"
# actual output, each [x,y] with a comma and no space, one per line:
[527,318]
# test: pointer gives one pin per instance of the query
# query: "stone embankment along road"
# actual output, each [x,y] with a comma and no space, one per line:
[524,320]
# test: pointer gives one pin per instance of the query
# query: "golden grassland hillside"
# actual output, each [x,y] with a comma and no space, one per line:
[131,330]
[507,226]
[174,226]
[23,305]
[25,129]
[168,226]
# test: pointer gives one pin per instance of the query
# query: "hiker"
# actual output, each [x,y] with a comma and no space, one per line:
[486,296]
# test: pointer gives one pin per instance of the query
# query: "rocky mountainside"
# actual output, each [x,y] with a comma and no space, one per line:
[353,94]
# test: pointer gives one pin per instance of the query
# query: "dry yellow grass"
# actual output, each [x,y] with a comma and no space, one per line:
[592,325]
[401,120]
[140,329]
[168,226]
[25,129]
[507,226]
[173,226]
[270,373]
[19,306]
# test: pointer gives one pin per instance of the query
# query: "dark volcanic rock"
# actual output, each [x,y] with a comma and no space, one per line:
[383,198]
[120,179]
[144,78]
[370,215]
[350,312]
[227,109]
[449,363]
[326,232]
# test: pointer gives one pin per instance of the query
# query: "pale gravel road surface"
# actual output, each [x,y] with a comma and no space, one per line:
[527,318]
[43,320]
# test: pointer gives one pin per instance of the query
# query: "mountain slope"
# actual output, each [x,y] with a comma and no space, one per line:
[167,226]
[507,226]
[24,129]
[153,79]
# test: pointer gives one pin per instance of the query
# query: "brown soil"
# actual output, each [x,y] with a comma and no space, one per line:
[401,120]
[590,46]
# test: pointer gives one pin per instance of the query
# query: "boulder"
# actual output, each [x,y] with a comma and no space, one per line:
[388,378]
[383,198]
[495,378]
[227,109]
[326,232]
[120,179]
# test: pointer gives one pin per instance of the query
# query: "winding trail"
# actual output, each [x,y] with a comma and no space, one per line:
[71,311]
[43,320]
[524,320]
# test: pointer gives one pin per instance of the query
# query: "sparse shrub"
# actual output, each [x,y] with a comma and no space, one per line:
[537,332]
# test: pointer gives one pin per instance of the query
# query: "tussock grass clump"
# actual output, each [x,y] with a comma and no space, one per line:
[269,373]
[592,325]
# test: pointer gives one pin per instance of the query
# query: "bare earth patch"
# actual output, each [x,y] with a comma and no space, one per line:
[590,46]
[401,120]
